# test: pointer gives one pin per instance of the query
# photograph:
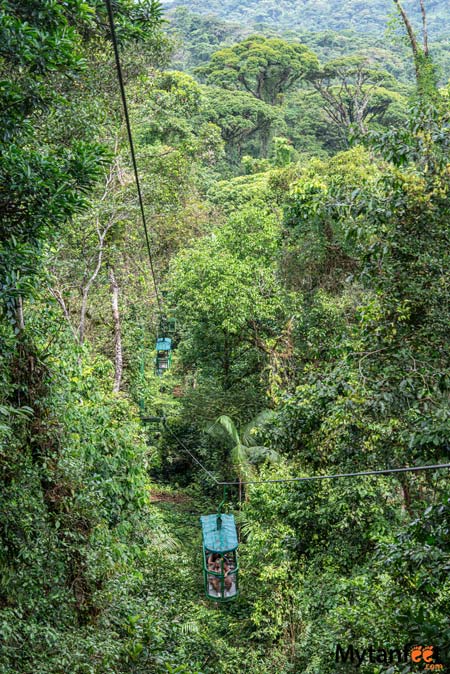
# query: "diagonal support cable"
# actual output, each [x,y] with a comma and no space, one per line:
[188,451]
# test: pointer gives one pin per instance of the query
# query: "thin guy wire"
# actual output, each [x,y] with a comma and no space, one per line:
[406,469]
[180,442]
[333,476]
[130,140]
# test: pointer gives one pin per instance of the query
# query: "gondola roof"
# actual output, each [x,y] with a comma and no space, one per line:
[219,540]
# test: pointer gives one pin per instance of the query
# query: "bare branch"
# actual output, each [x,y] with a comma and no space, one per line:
[424,28]
[57,294]
[118,358]
[409,29]
[87,287]
[101,244]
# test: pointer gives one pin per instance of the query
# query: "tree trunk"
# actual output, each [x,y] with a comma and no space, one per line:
[101,245]
[264,136]
[87,287]
[424,28]
[425,75]
[19,313]
[118,360]
[409,30]
[406,495]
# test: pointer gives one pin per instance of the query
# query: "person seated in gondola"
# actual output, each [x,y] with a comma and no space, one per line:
[214,565]
[212,558]
[227,569]
[215,562]
[230,576]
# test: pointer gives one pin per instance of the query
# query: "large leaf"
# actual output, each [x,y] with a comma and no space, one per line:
[247,436]
[228,424]
[239,456]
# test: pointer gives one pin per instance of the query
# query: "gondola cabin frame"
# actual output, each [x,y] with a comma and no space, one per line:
[163,358]
[220,560]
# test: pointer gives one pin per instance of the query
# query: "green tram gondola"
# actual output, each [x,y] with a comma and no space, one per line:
[220,561]
[163,355]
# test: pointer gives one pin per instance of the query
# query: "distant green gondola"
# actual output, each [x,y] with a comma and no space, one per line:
[168,325]
[163,355]
[220,561]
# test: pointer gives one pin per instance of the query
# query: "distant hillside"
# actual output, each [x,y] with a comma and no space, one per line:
[199,32]
[319,15]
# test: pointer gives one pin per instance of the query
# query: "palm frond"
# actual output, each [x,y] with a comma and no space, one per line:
[228,424]
[258,453]
[215,429]
[239,456]
[163,541]
[247,435]
[190,627]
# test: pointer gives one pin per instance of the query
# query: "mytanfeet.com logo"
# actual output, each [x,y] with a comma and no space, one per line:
[426,656]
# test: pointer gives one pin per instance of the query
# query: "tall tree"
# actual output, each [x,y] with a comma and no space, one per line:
[265,67]
[240,118]
[354,92]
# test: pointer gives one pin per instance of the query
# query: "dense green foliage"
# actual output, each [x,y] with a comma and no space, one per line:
[296,187]
[199,35]
[310,14]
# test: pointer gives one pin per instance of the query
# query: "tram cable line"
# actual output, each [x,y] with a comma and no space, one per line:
[163,341]
[334,476]
[308,478]
[123,96]
[188,451]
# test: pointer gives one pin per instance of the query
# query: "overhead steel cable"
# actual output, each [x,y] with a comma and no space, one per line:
[334,476]
[309,478]
[131,143]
